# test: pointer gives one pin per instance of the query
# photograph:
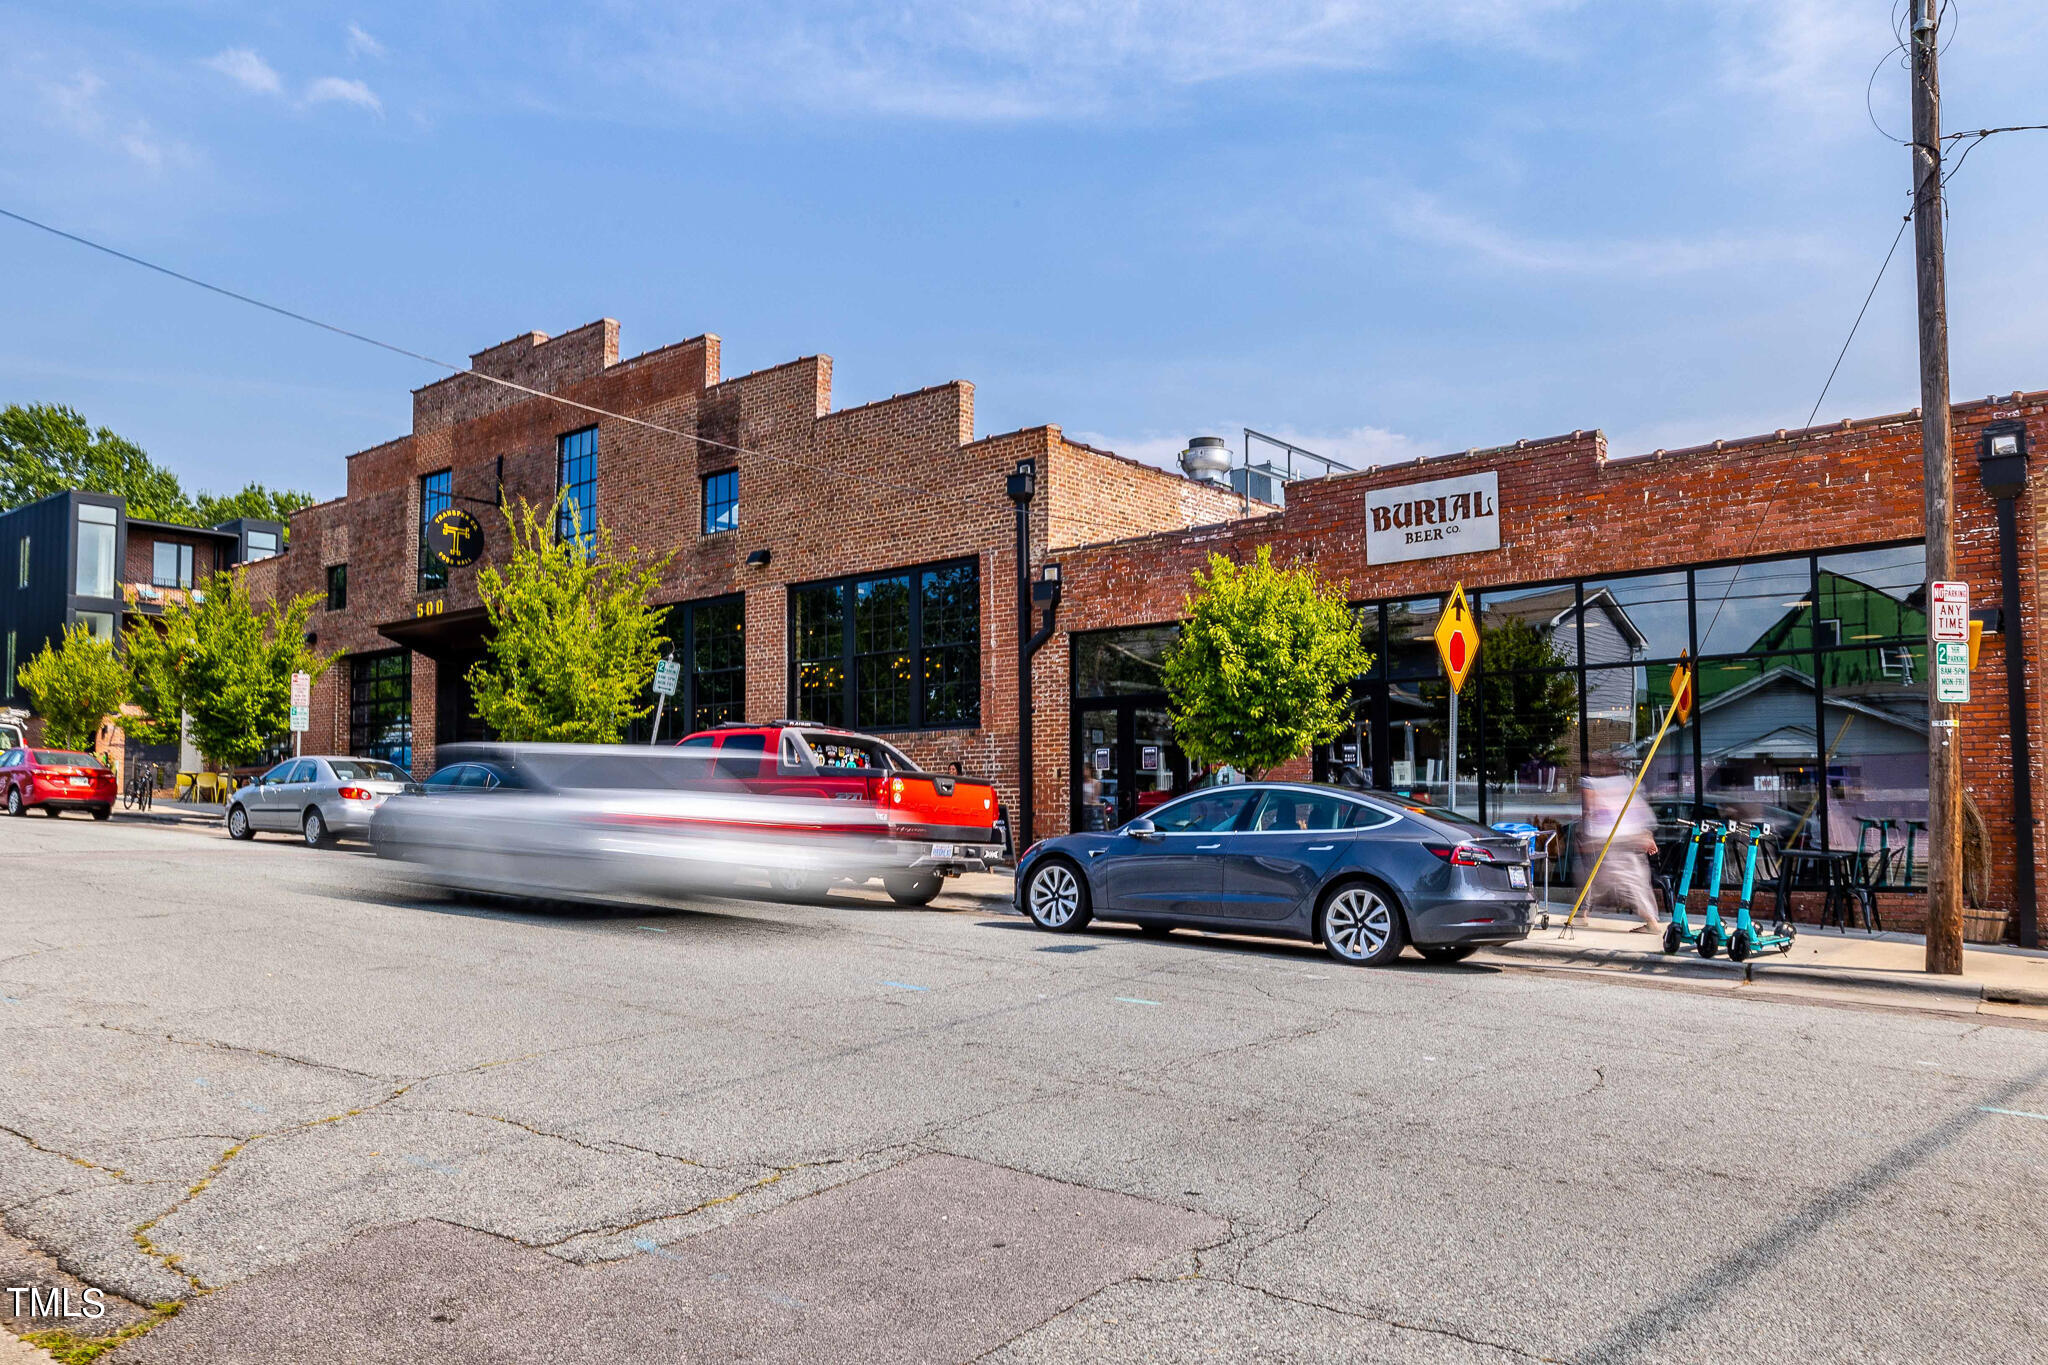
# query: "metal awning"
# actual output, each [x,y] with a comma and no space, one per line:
[443,636]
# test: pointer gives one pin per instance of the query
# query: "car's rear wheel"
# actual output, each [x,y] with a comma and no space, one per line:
[1446,952]
[315,829]
[52,812]
[1056,897]
[797,882]
[102,812]
[1359,926]
[238,823]
[913,888]
[14,805]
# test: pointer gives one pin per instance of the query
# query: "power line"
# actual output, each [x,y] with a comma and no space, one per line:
[283,312]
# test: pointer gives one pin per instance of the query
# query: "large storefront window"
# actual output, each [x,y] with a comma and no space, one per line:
[380,706]
[717,675]
[1126,761]
[1810,709]
[895,651]
[709,639]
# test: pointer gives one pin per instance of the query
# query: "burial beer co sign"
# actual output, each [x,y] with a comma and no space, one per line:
[1424,520]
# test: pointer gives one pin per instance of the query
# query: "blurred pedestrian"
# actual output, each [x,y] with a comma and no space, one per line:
[1624,874]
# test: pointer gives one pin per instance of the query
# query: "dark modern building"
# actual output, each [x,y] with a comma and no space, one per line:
[79,558]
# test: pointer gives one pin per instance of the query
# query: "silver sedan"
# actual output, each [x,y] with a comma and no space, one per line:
[320,799]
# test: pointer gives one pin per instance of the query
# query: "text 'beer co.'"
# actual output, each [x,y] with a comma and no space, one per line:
[1424,520]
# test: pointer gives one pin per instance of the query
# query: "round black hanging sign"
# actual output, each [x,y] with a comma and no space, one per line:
[455,537]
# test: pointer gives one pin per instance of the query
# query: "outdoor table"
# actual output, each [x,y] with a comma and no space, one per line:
[1838,875]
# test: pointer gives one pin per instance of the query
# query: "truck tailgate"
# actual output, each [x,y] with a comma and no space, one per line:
[953,808]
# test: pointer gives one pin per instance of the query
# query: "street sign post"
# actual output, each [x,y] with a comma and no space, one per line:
[1950,627]
[667,673]
[302,707]
[1457,644]
[1951,671]
[1951,607]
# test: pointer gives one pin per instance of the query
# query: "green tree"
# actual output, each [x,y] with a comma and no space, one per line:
[255,501]
[223,662]
[1258,675]
[47,449]
[73,685]
[573,638]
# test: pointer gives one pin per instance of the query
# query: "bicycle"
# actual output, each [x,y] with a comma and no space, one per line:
[142,785]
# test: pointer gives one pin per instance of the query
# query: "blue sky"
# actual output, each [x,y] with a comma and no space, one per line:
[1384,229]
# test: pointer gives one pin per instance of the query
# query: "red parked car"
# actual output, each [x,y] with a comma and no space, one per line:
[57,780]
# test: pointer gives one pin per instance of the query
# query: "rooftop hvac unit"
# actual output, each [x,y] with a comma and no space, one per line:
[1206,460]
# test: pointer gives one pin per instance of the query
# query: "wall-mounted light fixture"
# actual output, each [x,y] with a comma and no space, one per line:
[758,559]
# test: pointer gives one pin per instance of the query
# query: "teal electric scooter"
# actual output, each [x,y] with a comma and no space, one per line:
[1680,932]
[1747,940]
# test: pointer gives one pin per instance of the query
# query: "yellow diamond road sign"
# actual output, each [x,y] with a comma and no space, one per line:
[1457,638]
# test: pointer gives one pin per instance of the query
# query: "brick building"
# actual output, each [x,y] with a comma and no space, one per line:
[1789,566]
[855,566]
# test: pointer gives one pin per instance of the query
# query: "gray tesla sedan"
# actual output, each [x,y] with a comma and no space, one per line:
[1362,873]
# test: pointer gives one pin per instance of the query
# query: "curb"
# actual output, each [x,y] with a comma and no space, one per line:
[154,816]
[1658,964]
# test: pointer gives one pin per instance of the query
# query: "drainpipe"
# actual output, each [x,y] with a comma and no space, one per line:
[2002,460]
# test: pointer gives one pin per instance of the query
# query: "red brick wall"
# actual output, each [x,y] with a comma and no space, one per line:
[1096,495]
[138,562]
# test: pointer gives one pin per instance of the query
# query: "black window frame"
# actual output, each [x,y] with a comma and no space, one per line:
[337,587]
[721,498]
[437,495]
[185,563]
[576,512]
[922,654]
[1804,631]
[370,713]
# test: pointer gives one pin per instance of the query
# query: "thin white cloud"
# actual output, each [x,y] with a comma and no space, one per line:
[1427,219]
[1006,60]
[81,109]
[242,66]
[340,90]
[361,44]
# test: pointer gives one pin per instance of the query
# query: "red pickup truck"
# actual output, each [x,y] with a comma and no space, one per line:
[937,826]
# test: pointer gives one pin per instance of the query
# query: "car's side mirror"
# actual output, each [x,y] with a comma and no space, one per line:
[1141,828]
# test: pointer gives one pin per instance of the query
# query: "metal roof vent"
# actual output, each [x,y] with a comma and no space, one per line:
[1206,460]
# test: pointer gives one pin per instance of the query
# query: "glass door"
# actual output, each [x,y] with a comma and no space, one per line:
[1098,785]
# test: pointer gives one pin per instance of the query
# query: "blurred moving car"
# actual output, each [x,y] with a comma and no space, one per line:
[322,799]
[56,780]
[1362,873]
[940,825]
[596,820]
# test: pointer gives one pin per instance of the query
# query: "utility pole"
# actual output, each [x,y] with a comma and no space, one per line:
[1944,777]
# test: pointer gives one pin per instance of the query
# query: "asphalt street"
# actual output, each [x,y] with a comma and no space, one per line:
[343,1119]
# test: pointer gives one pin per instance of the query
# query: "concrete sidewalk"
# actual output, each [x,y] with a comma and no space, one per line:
[1893,961]
[1889,961]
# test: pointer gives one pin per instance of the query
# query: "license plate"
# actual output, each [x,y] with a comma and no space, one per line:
[81,782]
[942,850]
[1518,876]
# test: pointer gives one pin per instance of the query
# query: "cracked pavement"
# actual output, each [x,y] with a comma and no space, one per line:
[257,1078]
